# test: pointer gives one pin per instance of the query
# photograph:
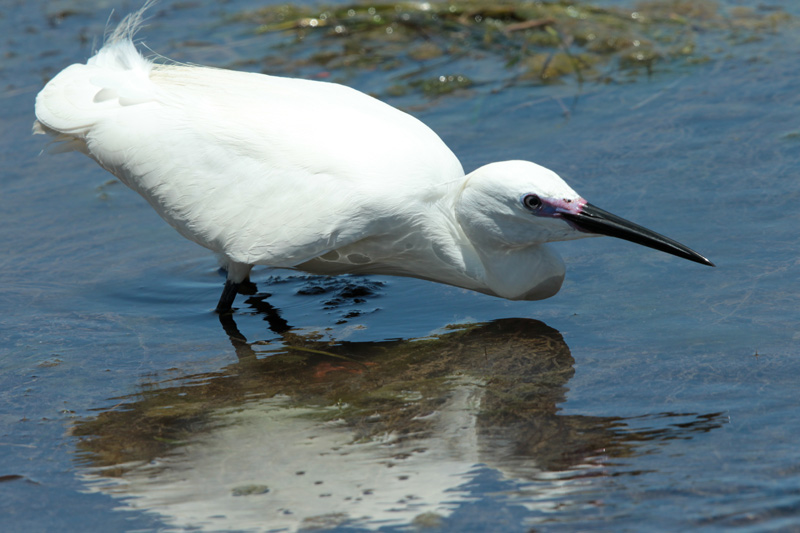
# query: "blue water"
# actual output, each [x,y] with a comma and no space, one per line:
[685,375]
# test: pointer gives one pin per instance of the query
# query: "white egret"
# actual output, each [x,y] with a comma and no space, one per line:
[317,177]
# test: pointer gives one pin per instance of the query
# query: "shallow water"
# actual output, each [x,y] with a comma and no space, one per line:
[650,393]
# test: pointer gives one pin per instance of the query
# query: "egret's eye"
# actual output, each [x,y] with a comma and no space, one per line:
[532,202]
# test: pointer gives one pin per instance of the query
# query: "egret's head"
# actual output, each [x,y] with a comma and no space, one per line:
[516,204]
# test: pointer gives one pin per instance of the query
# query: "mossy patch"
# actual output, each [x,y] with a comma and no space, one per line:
[422,43]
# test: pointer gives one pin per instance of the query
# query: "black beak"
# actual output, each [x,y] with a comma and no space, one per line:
[592,219]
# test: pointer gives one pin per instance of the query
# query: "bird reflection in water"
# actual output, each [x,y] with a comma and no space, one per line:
[306,432]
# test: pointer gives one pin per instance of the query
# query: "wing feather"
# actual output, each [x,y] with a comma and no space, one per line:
[262,169]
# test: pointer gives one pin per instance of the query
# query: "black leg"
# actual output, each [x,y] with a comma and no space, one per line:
[227,297]
[247,287]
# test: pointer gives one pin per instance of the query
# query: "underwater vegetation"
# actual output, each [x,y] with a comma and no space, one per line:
[440,47]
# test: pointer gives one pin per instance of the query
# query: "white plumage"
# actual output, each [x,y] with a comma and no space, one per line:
[315,176]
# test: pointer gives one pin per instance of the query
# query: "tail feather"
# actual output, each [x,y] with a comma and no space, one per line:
[81,95]
[126,30]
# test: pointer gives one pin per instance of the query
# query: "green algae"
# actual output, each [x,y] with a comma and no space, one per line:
[440,48]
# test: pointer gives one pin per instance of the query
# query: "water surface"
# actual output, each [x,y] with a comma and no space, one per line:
[650,393]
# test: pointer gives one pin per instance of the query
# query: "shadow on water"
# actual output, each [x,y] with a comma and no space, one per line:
[306,431]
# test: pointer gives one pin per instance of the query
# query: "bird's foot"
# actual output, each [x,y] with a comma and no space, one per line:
[247,287]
